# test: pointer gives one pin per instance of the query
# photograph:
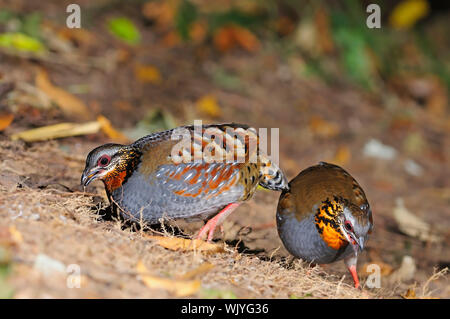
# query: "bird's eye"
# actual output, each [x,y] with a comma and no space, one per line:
[104,160]
[348,225]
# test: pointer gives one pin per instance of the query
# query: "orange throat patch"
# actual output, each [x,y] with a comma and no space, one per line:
[128,163]
[327,224]
[114,180]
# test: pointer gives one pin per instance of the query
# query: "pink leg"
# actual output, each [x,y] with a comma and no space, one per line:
[350,261]
[352,270]
[215,221]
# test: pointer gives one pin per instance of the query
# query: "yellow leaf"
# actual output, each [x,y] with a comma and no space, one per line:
[147,74]
[342,155]
[15,234]
[57,131]
[408,12]
[69,104]
[110,131]
[203,268]
[174,243]
[181,288]
[209,106]
[323,128]
[410,294]
[162,12]
[5,120]
[198,31]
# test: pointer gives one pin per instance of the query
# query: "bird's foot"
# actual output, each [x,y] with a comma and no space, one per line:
[211,225]
[354,274]
[208,229]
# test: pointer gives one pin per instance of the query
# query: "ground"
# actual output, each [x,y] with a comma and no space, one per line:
[45,211]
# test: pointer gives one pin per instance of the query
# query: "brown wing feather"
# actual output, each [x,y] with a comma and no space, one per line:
[317,183]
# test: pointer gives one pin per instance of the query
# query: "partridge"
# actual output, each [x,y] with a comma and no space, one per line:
[325,217]
[191,172]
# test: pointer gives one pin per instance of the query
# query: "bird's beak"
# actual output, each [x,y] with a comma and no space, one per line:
[361,243]
[89,176]
[358,244]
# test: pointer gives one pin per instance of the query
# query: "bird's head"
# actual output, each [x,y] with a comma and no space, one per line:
[341,222]
[110,163]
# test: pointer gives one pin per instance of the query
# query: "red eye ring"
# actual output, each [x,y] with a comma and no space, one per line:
[103,161]
[348,225]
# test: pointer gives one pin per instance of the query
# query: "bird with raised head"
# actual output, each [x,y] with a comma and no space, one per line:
[325,217]
[191,172]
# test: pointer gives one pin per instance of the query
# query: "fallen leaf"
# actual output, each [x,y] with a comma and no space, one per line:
[230,36]
[110,131]
[342,155]
[57,131]
[6,241]
[411,225]
[5,120]
[181,288]
[174,243]
[203,268]
[198,31]
[20,42]
[124,29]
[147,74]
[81,36]
[408,12]
[223,39]
[15,234]
[69,104]
[246,39]
[323,128]
[208,105]
[410,294]
[162,12]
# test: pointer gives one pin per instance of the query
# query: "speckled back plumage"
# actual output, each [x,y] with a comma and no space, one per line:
[169,179]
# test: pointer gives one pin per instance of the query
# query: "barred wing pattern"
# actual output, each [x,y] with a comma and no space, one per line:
[173,182]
